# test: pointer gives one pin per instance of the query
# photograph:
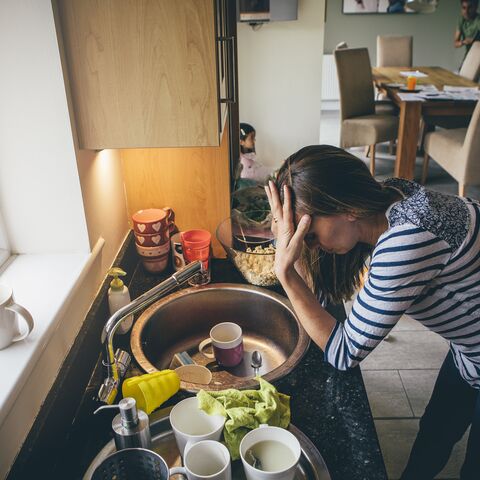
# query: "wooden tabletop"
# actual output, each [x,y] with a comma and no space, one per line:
[437,76]
[410,112]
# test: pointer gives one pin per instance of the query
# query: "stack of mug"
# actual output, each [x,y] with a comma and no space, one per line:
[152,228]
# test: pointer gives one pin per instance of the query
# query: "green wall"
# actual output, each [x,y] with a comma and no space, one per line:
[432,33]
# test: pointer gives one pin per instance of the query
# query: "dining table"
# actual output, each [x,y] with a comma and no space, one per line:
[413,110]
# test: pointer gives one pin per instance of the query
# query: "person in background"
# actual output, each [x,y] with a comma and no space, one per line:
[396,6]
[468,27]
[252,172]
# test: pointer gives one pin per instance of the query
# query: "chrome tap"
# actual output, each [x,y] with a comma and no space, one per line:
[117,363]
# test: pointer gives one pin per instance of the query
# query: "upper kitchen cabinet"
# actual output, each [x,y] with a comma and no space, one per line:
[147,73]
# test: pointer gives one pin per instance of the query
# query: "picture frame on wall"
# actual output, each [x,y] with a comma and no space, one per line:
[362,7]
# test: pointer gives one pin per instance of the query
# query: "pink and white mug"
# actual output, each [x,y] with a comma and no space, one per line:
[227,342]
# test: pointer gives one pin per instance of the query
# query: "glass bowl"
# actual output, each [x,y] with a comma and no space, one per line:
[249,243]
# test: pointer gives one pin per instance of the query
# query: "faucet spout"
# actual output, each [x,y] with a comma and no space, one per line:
[109,388]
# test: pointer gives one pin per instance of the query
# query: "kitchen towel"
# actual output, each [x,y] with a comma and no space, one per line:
[246,410]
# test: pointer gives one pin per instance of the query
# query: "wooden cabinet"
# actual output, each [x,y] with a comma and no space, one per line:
[147,73]
[192,181]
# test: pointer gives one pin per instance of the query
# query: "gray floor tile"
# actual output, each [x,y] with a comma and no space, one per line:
[419,386]
[396,438]
[408,324]
[386,394]
[406,351]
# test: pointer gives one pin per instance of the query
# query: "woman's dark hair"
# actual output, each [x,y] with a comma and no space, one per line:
[245,129]
[326,180]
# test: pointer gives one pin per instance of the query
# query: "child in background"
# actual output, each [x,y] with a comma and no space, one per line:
[252,171]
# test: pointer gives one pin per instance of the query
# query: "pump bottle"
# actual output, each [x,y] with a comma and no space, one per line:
[118,297]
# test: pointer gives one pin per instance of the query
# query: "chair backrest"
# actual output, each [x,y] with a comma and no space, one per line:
[341,45]
[471,149]
[394,51]
[355,82]
[471,65]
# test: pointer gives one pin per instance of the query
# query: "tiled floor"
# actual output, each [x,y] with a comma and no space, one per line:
[400,373]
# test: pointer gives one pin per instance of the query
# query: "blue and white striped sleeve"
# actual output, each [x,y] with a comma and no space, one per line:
[405,260]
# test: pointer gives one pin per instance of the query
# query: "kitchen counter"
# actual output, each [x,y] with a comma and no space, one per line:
[328,405]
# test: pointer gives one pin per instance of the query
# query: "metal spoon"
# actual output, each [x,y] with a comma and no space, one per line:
[253,460]
[256,361]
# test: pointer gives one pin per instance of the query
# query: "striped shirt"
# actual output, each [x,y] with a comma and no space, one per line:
[426,265]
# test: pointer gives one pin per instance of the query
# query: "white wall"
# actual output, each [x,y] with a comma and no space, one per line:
[50,194]
[432,33]
[39,184]
[279,75]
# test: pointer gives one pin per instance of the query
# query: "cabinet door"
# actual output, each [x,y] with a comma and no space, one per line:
[226,57]
[142,73]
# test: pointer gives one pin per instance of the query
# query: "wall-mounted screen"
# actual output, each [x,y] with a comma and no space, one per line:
[375,6]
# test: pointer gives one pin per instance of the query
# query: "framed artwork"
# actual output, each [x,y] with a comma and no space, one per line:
[375,6]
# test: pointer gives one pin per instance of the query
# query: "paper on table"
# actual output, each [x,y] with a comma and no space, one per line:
[428,88]
[416,74]
[451,88]
[410,97]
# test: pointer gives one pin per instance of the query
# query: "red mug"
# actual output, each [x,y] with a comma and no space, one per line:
[227,342]
[196,245]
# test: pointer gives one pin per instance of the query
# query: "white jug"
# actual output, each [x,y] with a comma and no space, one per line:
[8,322]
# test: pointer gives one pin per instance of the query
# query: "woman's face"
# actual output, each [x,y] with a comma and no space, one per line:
[333,234]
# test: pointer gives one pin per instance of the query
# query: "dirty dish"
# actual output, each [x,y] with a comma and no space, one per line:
[194,374]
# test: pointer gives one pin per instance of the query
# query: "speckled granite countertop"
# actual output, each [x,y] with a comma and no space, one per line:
[328,405]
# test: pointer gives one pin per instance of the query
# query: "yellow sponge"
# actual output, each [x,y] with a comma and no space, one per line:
[152,389]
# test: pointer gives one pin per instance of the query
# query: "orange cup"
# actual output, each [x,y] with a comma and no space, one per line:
[196,245]
[411,83]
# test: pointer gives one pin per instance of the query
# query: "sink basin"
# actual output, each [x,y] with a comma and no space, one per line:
[180,321]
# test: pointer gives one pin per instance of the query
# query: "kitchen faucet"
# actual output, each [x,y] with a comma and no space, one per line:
[117,363]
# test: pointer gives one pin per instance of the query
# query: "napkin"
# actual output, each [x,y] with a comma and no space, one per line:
[246,410]
[415,74]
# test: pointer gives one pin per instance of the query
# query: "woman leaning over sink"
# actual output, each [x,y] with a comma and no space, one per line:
[424,251]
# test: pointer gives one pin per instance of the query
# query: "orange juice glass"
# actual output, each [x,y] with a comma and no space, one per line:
[411,83]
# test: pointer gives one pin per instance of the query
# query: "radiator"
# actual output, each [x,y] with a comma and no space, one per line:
[329,79]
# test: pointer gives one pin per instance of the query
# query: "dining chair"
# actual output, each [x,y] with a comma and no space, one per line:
[471,65]
[457,151]
[394,51]
[360,124]
[471,70]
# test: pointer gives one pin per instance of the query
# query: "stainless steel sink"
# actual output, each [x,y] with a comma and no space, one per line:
[180,321]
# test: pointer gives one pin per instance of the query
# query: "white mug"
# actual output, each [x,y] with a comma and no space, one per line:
[191,425]
[205,459]
[287,463]
[8,321]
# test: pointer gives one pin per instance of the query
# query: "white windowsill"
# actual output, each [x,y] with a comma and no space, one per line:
[44,284]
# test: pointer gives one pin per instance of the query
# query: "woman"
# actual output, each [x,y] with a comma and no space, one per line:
[424,252]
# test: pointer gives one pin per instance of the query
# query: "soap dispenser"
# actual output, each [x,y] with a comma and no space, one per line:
[131,427]
[118,297]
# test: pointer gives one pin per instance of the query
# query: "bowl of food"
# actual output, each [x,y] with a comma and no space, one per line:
[250,245]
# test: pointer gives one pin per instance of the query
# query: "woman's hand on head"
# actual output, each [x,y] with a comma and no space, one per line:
[289,239]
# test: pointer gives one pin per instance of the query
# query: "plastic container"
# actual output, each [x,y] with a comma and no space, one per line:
[118,297]
[152,389]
